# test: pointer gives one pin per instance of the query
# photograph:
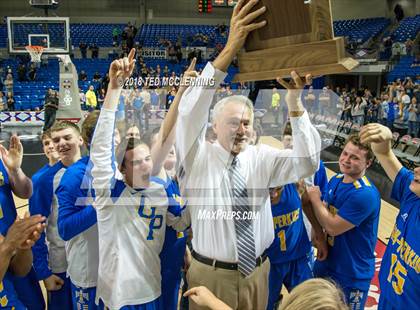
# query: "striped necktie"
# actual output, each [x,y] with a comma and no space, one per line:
[245,243]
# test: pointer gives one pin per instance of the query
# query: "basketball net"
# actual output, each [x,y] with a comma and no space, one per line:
[35,51]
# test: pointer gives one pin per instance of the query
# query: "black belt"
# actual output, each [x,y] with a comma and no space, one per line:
[224,265]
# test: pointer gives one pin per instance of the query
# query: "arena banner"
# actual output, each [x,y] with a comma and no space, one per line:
[149,52]
[20,118]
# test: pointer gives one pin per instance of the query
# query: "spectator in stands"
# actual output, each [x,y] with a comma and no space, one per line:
[146,98]
[310,100]
[94,50]
[412,117]
[50,109]
[32,72]
[275,106]
[392,108]
[416,62]
[2,101]
[222,29]
[82,99]
[373,111]
[409,45]
[105,82]
[8,83]
[409,86]
[101,98]
[324,101]
[10,101]
[116,32]
[96,77]
[383,110]
[91,101]
[21,73]
[83,49]
[170,98]
[405,100]
[172,54]
[346,112]
[154,99]
[82,76]
[358,111]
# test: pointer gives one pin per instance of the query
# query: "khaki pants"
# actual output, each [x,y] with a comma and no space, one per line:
[231,286]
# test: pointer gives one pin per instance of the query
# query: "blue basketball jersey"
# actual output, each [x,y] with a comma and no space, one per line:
[8,295]
[290,238]
[172,254]
[351,257]
[399,276]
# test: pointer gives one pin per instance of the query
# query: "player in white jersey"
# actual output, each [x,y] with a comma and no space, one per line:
[131,214]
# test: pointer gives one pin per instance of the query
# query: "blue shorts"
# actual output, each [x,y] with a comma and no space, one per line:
[355,297]
[29,291]
[290,274]
[171,281]
[61,299]
[151,305]
[84,298]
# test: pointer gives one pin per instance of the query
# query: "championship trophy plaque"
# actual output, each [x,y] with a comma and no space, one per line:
[298,36]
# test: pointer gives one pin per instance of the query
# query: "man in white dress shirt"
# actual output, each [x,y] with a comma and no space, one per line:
[232,178]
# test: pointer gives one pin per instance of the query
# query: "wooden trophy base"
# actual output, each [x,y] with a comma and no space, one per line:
[316,58]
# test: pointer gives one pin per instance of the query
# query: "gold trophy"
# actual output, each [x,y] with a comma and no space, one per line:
[298,36]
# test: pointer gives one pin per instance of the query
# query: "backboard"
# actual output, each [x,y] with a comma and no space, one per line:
[53,33]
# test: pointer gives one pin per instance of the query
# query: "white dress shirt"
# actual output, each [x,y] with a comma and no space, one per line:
[203,173]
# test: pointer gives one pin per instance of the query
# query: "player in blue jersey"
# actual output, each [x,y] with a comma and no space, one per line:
[350,217]
[399,276]
[16,256]
[12,179]
[50,261]
[173,251]
[289,252]
[77,225]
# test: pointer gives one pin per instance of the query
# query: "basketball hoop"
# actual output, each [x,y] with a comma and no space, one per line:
[35,51]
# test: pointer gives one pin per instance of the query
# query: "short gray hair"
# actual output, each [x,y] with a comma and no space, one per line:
[220,105]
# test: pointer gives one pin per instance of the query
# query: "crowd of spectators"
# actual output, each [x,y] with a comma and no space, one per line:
[397,105]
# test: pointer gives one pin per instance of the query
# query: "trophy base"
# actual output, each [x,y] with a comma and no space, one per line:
[316,58]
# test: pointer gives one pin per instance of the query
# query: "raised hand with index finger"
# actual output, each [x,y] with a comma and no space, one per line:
[121,69]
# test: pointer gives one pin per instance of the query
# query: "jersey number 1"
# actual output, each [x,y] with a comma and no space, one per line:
[282,236]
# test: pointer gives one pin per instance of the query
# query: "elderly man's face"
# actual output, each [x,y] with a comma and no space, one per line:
[234,127]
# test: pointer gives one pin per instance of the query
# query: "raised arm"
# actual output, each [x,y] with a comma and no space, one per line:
[102,146]
[12,159]
[289,166]
[380,138]
[196,101]
[166,136]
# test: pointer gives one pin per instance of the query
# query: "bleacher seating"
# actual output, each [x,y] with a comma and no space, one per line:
[100,34]
[403,69]
[408,29]
[150,34]
[360,30]
[3,36]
